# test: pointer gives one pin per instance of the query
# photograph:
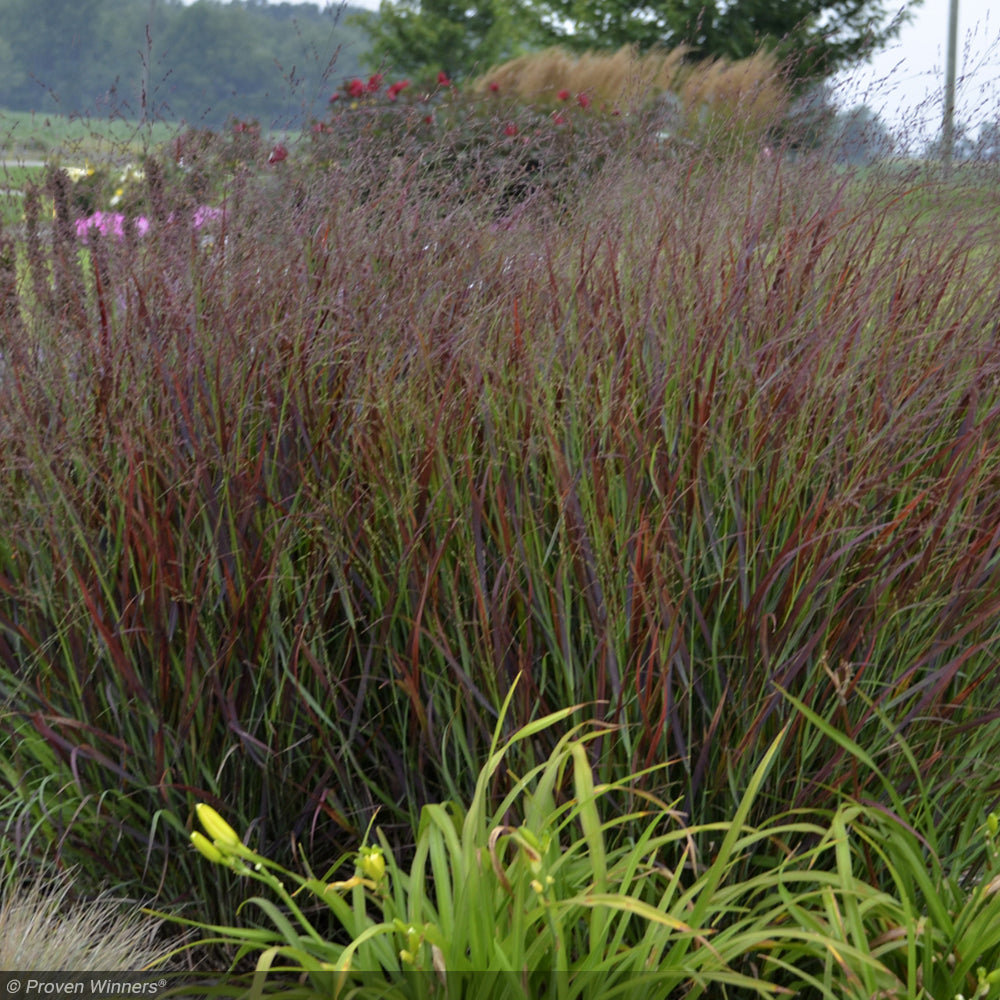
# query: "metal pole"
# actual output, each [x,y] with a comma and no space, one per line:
[948,125]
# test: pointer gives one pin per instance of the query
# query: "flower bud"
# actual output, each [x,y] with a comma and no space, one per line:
[216,827]
[371,861]
[207,848]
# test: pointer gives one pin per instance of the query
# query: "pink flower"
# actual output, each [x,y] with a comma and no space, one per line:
[395,89]
[583,100]
[278,154]
[563,94]
[443,79]
[355,88]
[334,97]
[494,86]
[374,82]
[510,129]
[558,119]
[204,214]
[108,224]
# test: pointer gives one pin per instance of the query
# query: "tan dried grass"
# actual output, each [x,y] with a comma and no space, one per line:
[752,89]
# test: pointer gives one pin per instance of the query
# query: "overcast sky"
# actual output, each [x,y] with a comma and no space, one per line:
[905,83]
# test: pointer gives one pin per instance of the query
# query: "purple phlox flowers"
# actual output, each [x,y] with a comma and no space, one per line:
[205,214]
[113,223]
[109,224]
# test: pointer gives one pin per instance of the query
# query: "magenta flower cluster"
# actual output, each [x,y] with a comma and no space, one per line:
[108,224]
[113,223]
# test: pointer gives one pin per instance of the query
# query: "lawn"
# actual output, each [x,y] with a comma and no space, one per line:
[33,136]
[553,548]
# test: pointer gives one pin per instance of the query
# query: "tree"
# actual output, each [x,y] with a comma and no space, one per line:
[425,37]
[987,147]
[162,58]
[816,37]
[860,137]
[51,43]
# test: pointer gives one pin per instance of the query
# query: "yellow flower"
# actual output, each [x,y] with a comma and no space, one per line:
[216,827]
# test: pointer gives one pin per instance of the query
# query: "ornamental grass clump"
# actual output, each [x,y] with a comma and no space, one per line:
[679,437]
[44,928]
[719,104]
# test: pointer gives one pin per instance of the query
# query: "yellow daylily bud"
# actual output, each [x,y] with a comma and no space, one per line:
[216,827]
[993,824]
[207,848]
[371,861]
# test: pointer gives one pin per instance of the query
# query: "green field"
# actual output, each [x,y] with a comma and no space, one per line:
[32,136]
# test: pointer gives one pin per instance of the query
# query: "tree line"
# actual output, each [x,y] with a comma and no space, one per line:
[161,60]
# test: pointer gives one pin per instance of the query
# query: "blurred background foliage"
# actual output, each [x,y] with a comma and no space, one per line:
[158,59]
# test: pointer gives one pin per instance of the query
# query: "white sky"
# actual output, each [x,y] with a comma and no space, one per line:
[905,82]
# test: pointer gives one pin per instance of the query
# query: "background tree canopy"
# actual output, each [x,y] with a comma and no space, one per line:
[424,37]
[159,59]
[818,37]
